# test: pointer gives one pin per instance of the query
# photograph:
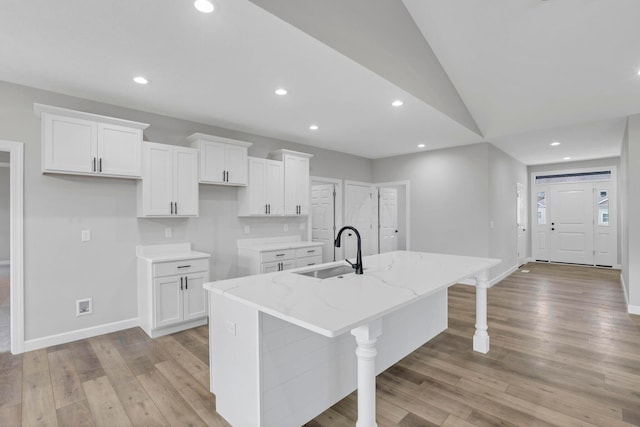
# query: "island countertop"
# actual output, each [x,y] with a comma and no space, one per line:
[333,306]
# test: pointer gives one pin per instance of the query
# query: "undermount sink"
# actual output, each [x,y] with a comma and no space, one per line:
[328,272]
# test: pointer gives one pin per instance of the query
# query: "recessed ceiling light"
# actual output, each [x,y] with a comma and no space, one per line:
[141,80]
[554,144]
[204,6]
[281,91]
[397,103]
[313,127]
[420,145]
[566,158]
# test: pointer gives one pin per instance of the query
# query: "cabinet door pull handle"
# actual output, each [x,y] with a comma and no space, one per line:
[310,251]
[265,209]
[94,164]
[312,263]
[184,266]
[171,204]
[100,164]
[223,176]
[227,174]
[279,254]
[181,283]
[176,207]
[186,283]
[269,208]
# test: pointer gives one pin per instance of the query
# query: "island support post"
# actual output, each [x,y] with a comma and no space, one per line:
[481,337]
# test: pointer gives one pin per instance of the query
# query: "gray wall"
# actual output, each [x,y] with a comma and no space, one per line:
[623,187]
[632,196]
[4,208]
[504,173]
[455,193]
[59,268]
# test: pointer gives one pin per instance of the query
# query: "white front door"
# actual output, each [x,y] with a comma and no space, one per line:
[323,218]
[571,223]
[388,199]
[606,238]
[361,213]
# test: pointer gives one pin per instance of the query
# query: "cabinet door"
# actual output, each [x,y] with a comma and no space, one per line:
[212,162]
[119,150]
[271,267]
[296,185]
[302,192]
[157,180]
[195,300]
[274,189]
[69,144]
[186,181]
[257,186]
[288,265]
[236,165]
[167,300]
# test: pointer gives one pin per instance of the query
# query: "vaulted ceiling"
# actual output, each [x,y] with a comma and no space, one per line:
[517,73]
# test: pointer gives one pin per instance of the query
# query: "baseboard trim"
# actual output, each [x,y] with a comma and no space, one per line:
[617,267]
[498,278]
[38,343]
[5,262]
[631,309]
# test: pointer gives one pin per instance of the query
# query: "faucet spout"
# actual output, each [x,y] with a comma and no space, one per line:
[358,264]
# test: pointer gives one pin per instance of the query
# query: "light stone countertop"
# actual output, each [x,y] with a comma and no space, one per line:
[335,305]
[168,252]
[283,246]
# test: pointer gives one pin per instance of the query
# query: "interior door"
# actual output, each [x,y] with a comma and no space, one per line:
[571,223]
[388,199]
[323,218]
[361,213]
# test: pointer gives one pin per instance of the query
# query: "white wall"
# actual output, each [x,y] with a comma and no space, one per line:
[59,268]
[4,208]
[504,173]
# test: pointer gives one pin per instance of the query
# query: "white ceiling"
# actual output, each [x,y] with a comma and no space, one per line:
[529,71]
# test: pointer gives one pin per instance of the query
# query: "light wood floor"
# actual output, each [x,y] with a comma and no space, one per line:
[563,352]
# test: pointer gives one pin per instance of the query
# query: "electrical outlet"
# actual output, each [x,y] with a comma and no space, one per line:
[84,307]
[85,235]
[230,327]
[286,227]
[168,232]
[247,229]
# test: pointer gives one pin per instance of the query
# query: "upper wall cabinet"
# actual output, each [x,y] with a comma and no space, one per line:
[264,194]
[169,186]
[296,181]
[80,143]
[222,161]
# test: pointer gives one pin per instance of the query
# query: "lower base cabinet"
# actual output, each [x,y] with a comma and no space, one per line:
[171,296]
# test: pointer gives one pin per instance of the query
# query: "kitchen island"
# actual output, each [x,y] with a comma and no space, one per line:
[281,345]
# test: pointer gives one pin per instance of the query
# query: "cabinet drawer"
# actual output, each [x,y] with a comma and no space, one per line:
[180,267]
[309,260]
[310,251]
[278,255]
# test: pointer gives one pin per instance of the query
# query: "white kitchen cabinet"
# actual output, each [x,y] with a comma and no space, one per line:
[80,143]
[169,185]
[296,181]
[268,255]
[171,296]
[264,196]
[222,161]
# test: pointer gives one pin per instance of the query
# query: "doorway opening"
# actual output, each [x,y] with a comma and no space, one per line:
[393,216]
[5,252]
[575,217]
[16,244]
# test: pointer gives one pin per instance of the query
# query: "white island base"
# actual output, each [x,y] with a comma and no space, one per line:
[279,358]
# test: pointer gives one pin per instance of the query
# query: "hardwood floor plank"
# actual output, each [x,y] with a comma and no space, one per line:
[173,407]
[67,388]
[76,414]
[191,363]
[38,406]
[87,364]
[11,415]
[145,413]
[125,384]
[105,406]
[194,393]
